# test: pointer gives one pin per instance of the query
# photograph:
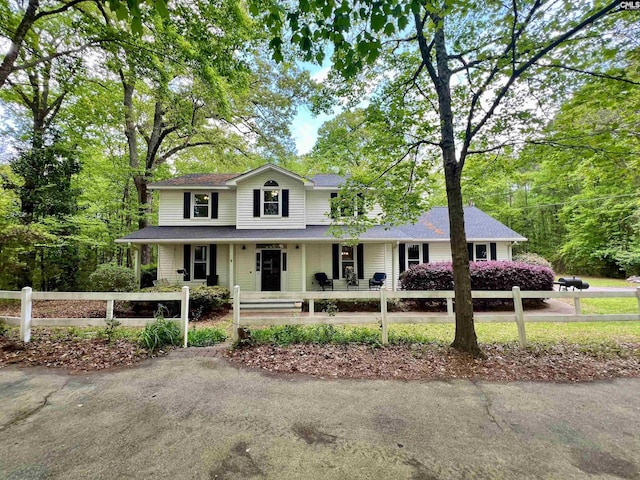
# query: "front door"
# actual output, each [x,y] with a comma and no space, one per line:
[271,271]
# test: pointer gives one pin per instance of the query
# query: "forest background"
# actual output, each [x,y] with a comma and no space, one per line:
[100,102]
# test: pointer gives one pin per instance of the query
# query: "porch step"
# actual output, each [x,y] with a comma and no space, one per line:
[271,305]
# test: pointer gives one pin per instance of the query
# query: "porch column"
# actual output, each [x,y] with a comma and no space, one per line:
[394,266]
[135,253]
[231,276]
[303,252]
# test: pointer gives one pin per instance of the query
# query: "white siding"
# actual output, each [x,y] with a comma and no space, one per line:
[294,268]
[171,209]
[503,250]
[245,218]
[222,265]
[439,252]
[318,207]
[319,259]
[169,260]
[245,267]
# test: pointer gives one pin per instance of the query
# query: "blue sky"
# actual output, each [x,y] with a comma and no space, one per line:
[304,127]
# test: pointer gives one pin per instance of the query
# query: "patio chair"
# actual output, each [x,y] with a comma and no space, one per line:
[377,280]
[323,280]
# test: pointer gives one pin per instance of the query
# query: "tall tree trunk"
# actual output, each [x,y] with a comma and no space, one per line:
[139,180]
[465,337]
[16,40]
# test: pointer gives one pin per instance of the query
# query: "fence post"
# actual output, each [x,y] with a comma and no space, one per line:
[450,307]
[312,307]
[25,314]
[184,316]
[110,304]
[517,305]
[236,313]
[578,305]
[638,296]
[383,312]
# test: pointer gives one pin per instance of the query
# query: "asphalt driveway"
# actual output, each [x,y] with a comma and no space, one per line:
[197,417]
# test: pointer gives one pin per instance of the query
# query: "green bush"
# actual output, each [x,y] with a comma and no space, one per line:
[109,277]
[160,333]
[532,259]
[205,337]
[202,299]
[148,273]
[316,334]
[4,328]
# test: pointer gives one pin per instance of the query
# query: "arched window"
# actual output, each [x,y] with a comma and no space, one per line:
[271,198]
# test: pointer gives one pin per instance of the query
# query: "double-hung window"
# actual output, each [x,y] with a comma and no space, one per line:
[200,205]
[414,254]
[200,262]
[481,252]
[271,199]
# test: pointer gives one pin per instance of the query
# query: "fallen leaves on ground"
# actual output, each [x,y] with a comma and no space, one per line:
[554,363]
[50,349]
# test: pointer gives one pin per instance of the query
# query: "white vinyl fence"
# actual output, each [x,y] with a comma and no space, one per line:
[384,318]
[27,296]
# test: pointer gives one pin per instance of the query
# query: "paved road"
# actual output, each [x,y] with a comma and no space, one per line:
[195,417]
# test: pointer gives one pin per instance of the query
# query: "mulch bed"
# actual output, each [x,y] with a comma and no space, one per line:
[558,363]
[51,348]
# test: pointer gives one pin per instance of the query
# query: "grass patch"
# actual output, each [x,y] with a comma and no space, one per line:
[602,306]
[206,336]
[586,334]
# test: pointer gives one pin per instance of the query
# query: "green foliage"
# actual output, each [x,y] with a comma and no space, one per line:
[202,299]
[160,333]
[109,277]
[532,259]
[205,337]
[111,329]
[317,334]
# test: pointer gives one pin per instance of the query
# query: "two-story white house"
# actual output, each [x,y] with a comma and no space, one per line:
[267,230]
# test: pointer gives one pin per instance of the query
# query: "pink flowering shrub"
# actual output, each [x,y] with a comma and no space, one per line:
[496,275]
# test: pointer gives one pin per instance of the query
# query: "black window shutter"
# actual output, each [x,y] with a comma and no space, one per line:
[334,207]
[425,253]
[336,261]
[214,204]
[213,256]
[494,251]
[284,262]
[285,203]
[186,264]
[402,255]
[360,259]
[470,250]
[187,205]
[256,202]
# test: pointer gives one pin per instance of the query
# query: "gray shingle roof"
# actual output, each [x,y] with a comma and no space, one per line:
[432,226]
[220,179]
[196,179]
[328,180]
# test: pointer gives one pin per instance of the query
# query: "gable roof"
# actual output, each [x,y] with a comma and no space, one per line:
[264,168]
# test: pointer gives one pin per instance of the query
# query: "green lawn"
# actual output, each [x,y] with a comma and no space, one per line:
[546,333]
[603,306]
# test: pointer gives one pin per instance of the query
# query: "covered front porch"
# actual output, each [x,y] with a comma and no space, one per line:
[279,267]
